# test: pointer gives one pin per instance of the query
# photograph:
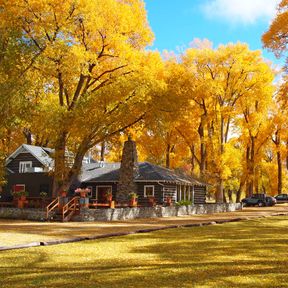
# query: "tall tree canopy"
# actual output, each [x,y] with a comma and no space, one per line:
[276,38]
[82,52]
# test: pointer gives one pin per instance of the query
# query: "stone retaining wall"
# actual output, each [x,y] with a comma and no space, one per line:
[153,212]
[123,213]
[23,214]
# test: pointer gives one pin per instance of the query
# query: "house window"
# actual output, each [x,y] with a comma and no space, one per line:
[24,165]
[18,187]
[148,190]
[101,192]
[44,188]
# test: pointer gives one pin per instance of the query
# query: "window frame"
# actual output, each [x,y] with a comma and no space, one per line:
[19,185]
[103,186]
[23,166]
[153,190]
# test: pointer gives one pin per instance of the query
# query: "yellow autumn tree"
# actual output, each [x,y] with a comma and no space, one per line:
[276,38]
[87,54]
[219,79]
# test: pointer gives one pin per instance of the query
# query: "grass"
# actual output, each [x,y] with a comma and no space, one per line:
[241,254]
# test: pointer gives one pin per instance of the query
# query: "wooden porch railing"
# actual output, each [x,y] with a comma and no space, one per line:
[69,209]
[52,206]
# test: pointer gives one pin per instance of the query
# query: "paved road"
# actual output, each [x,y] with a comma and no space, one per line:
[15,232]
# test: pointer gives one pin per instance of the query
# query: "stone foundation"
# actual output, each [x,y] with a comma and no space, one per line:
[153,212]
[23,214]
[123,213]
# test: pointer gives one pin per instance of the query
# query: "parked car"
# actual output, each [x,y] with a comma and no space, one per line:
[282,198]
[259,200]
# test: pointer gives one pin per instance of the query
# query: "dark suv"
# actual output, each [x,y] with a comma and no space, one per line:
[259,200]
[282,198]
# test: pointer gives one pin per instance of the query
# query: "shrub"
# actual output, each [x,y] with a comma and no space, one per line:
[184,203]
[20,193]
[133,195]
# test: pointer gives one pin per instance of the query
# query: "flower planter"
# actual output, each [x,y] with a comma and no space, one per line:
[168,201]
[151,201]
[133,202]
[21,203]
[109,198]
[63,194]
[23,197]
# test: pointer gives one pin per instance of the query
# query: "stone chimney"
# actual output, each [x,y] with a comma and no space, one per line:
[129,170]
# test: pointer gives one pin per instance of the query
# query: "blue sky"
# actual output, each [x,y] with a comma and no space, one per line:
[176,23]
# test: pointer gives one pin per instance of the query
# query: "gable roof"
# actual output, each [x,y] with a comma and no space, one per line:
[40,153]
[147,172]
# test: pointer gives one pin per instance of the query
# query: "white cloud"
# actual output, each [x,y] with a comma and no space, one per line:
[241,11]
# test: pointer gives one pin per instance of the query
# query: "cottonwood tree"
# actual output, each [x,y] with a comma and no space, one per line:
[15,105]
[276,38]
[219,79]
[88,55]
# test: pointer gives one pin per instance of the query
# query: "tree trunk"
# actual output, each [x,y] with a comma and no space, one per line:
[240,190]
[102,153]
[219,192]
[220,188]
[77,165]
[192,149]
[202,150]
[60,168]
[224,197]
[168,147]
[250,158]
[279,164]
[28,136]
[277,142]
[287,155]
[65,176]
[230,195]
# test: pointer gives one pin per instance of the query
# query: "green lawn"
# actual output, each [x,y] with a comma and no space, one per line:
[241,254]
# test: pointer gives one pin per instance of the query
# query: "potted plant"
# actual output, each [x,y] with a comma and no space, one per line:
[21,198]
[63,193]
[23,195]
[151,201]
[20,195]
[108,196]
[43,194]
[133,199]
[168,201]
[82,192]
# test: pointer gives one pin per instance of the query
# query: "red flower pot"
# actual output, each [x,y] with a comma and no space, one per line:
[63,193]
[133,202]
[168,201]
[151,201]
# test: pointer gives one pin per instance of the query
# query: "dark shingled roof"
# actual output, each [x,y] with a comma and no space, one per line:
[109,172]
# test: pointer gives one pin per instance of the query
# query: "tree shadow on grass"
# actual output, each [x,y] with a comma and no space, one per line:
[243,254]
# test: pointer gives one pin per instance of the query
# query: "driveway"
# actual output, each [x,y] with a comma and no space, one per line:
[15,232]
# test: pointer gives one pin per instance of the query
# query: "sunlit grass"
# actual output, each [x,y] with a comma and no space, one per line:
[242,254]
